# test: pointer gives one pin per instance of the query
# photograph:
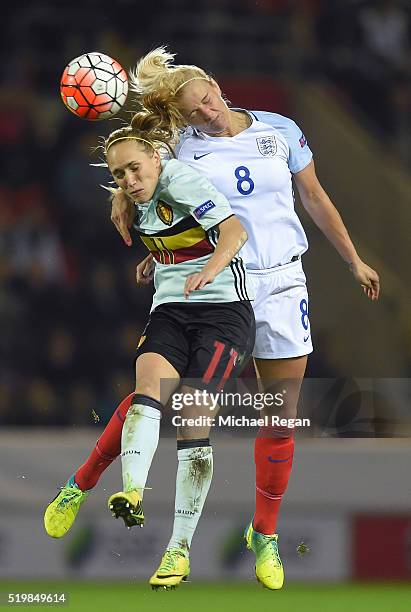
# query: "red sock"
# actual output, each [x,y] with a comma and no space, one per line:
[107,448]
[273,462]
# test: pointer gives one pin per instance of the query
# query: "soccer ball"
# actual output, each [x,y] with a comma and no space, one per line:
[94,86]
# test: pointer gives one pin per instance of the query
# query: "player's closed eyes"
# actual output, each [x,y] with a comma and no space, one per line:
[119,174]
[194,112]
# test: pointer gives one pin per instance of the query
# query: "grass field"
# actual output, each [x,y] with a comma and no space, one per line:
[201,597]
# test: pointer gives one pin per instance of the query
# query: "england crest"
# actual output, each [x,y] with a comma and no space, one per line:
[267,145]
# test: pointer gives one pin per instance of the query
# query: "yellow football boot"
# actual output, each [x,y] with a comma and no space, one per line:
[268,567]
[129,506]
[173,569]
[62,511]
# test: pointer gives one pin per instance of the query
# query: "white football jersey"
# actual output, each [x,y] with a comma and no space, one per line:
[254,171]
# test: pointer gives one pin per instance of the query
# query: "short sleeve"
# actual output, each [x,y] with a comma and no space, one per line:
[196,194]
[300,154]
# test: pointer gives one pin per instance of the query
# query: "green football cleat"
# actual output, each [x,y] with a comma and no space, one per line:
[62,511]
[173,569]
[129,506]
[268,567]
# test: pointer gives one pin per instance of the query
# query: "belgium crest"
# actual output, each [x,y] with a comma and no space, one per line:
[164,212]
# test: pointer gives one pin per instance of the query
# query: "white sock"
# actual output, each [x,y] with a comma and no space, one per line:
[139,441]
[194,474]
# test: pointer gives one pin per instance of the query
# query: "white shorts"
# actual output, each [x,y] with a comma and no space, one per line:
[281,312]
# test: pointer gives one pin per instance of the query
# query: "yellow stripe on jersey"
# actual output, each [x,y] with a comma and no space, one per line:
[172,243]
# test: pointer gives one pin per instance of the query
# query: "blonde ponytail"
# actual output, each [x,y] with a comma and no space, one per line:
[158,84]
[151,71]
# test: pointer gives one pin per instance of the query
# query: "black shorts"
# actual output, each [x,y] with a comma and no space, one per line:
[206,342]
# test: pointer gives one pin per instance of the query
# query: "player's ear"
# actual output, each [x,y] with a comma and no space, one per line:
[157,159]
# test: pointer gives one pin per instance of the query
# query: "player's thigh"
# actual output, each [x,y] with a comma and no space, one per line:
[156,377]
[275,369]
[162,354]
[281,313]
[222,346]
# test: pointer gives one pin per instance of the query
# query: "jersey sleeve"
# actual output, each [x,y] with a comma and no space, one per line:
[197,195]
[300,154]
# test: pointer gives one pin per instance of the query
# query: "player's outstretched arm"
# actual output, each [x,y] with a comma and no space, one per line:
[324,214]
[231,238]
[122,214]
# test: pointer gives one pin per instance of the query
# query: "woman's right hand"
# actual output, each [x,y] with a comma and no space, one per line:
[145,270]
[367,277]
[122,214]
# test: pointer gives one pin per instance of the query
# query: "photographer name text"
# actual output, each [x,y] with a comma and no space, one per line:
[241,421]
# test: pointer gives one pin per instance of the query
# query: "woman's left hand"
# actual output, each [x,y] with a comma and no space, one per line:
[197,281]
[367,277]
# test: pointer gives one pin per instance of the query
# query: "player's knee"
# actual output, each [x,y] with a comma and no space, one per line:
[149,388]
[193,433]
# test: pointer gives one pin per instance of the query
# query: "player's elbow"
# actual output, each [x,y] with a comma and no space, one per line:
[233,230]
[240,232]
[314,198]
[243,237]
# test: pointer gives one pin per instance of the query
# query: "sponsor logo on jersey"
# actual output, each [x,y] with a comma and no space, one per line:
[164,213]
[201,210]
[267,145]
[197,156]
[302,141]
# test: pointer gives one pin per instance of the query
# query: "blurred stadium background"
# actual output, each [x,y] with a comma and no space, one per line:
[70,314]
